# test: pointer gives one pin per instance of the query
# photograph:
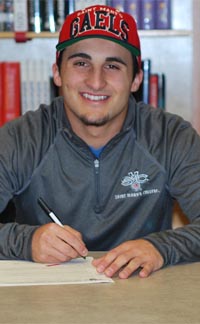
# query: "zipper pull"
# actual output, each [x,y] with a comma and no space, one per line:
[96,165]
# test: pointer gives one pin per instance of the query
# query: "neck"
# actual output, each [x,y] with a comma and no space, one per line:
[96,136]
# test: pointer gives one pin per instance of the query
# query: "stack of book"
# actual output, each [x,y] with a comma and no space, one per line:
[153,88]
[149,14]
[35,84]
[23,86]
[49,15]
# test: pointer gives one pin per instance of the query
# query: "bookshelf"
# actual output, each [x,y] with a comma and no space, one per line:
[142,33]
[174,52]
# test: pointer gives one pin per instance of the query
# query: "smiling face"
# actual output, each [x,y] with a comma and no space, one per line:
[96,78]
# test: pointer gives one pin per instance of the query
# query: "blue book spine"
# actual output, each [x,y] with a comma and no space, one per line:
[118,4]
[163,14]
[133,8]
[148,14]
[8,15]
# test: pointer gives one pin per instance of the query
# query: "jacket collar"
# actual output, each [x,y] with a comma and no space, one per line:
[128,123]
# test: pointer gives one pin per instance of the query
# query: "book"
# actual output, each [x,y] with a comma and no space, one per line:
[163,14]
[24,87]
[80,4]
[146,67]
[60,13]
[11,90]
[35,15]
[20,16]
[31,84]
[45,81]
[153,90]
[142,94]
[1,15]
[8,15]
[118,4]
[48,12]
[133,8]
[35,84]
[69,6]
[148,14]
[54,90]
[162,91]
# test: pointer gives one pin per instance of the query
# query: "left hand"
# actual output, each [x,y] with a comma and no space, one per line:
[128,257]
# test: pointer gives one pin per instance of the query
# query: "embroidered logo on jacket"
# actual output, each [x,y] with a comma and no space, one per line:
[134,180]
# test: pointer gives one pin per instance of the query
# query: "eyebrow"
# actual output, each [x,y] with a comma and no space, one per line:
[108,59]
[83,55]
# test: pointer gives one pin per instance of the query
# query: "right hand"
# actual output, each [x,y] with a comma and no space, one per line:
[52,243]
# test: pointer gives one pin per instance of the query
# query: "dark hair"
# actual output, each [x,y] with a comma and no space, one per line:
[59,60]
[135,63]
[135,66]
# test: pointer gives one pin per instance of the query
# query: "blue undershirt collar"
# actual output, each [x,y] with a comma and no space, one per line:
[97,151]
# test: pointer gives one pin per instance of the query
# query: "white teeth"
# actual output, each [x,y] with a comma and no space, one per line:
[95,98]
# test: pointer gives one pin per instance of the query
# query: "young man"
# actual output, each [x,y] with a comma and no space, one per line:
[108,166]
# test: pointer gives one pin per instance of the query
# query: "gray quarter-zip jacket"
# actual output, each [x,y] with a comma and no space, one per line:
[126,194]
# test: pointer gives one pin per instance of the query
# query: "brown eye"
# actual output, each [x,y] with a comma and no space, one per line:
[112,67]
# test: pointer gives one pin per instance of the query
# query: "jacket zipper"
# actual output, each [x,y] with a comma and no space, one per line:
[97,186]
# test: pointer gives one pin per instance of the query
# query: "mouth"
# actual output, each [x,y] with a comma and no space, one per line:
[94,97]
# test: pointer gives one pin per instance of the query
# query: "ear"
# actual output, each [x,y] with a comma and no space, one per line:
[137,81]
[56,75]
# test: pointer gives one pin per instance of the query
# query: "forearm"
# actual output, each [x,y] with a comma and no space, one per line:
[15,241]
[178,245]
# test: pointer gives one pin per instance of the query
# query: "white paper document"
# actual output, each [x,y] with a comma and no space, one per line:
[25,273]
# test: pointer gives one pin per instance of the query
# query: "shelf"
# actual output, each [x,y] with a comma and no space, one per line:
[142,33]
[30,35]
[165,33]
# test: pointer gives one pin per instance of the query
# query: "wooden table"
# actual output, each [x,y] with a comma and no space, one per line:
[169,296]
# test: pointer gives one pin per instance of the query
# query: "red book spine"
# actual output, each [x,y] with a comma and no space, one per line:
[153,93]
[1,94]
[11,91]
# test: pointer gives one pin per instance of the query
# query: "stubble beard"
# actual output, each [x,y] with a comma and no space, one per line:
[97,123]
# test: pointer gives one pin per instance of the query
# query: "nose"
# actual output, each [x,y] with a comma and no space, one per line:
[96,79]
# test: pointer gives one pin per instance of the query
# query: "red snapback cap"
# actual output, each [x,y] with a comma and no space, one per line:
[100,21]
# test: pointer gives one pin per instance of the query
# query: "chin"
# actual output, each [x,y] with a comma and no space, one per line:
[94,122]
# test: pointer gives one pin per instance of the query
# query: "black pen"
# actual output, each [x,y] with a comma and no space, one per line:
[51,214]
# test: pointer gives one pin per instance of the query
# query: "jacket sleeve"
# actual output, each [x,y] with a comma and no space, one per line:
[20,152]
[183,168]
[178,245]
[15,242]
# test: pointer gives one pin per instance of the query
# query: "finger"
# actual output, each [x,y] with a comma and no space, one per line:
[52,240]
[97,261]
[131,267]
[105,261]
[72,240]
[62,250]
[112,263]
[73,231]
[146,270]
